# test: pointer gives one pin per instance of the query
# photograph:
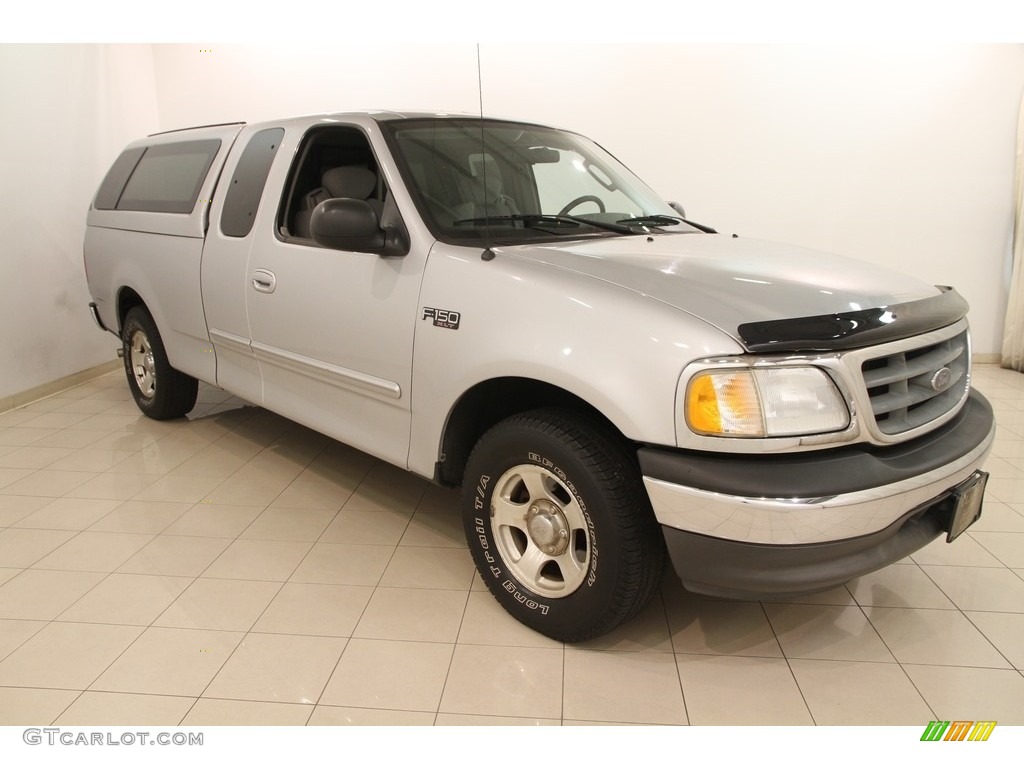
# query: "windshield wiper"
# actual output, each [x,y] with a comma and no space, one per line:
[660,220]
[539,219]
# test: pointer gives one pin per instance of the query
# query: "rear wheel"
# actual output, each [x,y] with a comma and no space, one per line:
[160,391]
[559,524]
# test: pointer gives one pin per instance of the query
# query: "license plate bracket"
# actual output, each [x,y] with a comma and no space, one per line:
[967,500]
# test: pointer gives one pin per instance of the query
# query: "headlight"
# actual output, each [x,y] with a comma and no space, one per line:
[764,402]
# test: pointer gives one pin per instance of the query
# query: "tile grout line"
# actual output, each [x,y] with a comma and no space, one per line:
[789,666]
[963,613]
[374,589]
[675,653]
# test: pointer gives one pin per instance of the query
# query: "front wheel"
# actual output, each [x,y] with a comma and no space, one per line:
[559,524]
[160,391]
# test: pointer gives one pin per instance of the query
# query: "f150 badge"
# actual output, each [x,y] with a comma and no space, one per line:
[443,318]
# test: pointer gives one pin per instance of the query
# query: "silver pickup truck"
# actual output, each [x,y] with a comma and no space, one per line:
[505,307]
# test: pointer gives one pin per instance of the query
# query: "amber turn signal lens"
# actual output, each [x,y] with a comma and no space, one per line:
[724,403]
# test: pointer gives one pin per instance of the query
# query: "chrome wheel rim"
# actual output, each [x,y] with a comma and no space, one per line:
[540,531]
[143,367]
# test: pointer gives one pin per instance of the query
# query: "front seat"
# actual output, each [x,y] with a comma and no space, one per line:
[486,194]
[345,181]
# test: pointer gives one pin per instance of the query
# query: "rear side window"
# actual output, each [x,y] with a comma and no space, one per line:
[166,179]
[114,181]
[246,187]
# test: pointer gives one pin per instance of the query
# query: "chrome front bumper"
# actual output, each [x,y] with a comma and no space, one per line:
[796,517]
[805,521]
[821,519]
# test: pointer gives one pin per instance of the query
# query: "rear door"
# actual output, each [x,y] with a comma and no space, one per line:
[226,257]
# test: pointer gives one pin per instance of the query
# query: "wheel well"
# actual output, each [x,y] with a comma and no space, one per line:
[489,402]
[127,299]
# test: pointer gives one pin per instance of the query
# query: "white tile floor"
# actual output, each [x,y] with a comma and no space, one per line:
[235,568]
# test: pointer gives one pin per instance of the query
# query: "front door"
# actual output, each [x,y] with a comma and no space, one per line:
[333,330]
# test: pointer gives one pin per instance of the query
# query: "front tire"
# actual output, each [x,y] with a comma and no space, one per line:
[559,524]
[160,391]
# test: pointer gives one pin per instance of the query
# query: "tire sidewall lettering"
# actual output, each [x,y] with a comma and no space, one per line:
[517,470]
[482,533]
[512,588]
[556,470]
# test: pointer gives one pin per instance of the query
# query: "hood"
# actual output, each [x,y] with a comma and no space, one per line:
[730,282]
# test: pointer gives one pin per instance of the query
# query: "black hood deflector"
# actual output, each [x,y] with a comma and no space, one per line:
[847,330]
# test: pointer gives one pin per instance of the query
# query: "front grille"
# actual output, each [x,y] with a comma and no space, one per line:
[907,390]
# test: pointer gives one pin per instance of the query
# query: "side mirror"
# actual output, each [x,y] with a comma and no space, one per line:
[677,208]
[346,224]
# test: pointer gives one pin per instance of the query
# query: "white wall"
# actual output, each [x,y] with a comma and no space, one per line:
[264,82]
[901,155]
[68,110]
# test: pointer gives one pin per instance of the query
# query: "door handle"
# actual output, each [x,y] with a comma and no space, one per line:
[264,281]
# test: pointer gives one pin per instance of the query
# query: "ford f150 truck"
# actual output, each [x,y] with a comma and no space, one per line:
[505,307]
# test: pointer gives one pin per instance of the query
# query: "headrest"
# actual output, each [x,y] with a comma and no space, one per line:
[487,178]
[349,181]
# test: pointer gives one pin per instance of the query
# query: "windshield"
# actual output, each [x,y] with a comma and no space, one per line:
[477,180]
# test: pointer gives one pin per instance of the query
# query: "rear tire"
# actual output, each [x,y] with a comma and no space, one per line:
[160,391]
[559,524]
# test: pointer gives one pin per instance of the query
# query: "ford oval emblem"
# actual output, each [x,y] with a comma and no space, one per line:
[941,379]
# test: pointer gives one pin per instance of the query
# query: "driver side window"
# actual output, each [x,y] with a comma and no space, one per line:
[333,162]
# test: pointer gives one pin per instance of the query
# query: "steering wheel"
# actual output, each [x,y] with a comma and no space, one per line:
[583,199]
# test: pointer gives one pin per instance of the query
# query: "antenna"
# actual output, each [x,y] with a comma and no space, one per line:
[488,254]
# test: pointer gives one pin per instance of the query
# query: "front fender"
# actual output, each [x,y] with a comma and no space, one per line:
[618,350]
